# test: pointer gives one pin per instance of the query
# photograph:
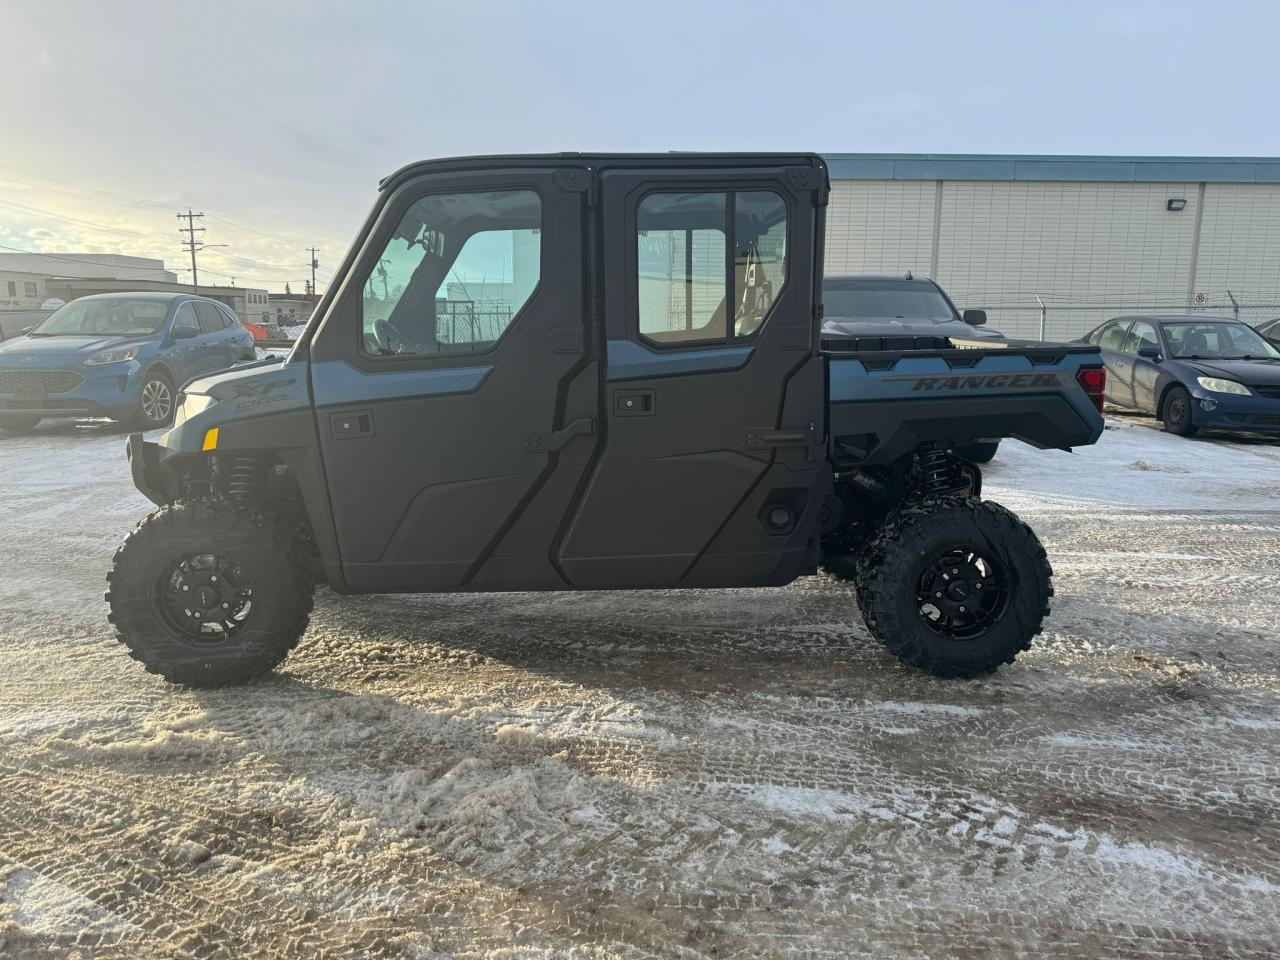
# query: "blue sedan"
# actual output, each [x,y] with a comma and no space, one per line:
[118,355]
[1192,372]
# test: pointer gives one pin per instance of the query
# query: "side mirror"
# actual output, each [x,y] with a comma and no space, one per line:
[1149,353]
[26,330]
[975,318]
[184,333]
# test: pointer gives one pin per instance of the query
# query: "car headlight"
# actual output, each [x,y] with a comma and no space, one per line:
[1216,385]
[114,355]
[189,404]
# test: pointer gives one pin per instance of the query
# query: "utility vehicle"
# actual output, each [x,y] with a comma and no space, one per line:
[592,372]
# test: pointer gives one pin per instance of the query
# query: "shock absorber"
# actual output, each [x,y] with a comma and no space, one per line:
[247,480]
[939,473]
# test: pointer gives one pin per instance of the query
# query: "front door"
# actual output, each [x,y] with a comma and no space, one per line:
[456,394]
[711,468]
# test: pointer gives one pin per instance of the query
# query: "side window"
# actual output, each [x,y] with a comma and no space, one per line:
[231,318]
[455,275]
[693,260]
[211,321]
[1141,334]
[185,321]
[1113,337]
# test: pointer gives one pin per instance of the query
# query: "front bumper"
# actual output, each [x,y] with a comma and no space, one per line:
[109,391]
[1253,414]
[153,481]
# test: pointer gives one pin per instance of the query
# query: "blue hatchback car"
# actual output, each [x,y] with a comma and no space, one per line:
[1192,372]
[118,355]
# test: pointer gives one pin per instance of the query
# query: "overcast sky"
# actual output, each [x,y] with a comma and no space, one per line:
[279,118]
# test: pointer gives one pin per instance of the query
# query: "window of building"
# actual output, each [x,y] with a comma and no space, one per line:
[31,289]
[13,288]
[455,276]
[693,260]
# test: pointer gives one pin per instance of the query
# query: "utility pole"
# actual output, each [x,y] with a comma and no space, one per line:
[314,263]
[193,242]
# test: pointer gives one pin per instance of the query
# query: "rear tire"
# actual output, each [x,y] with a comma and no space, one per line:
[18,423]
[209,593]
[955,586]
[1176,412]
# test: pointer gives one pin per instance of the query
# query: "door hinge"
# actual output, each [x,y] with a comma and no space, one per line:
[553,441]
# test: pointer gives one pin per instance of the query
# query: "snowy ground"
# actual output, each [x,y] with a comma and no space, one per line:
[714,774]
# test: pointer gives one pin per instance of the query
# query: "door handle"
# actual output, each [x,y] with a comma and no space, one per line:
[553,441]
[779,438]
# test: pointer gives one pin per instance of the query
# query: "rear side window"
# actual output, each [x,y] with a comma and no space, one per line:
[211,319]
[455,275]
[1113,337]
[709,266]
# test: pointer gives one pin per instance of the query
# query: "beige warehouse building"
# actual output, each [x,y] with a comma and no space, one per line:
[1064,241]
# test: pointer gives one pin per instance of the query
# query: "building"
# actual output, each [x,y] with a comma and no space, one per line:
[20,290]
[1064,241]
[289,309]
[112,265]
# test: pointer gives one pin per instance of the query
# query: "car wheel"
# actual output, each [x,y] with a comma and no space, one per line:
[155,401]
[18,423]
[1177,412]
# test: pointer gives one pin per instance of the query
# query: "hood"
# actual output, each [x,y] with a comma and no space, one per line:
[894,327]
[1263,373]
[65,348]
[273,380]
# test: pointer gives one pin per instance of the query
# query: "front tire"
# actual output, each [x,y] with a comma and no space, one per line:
[955,586]
[18,423]
[209,593]
[156,401]
[1177,412]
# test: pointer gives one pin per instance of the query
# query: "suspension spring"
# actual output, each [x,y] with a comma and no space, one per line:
[247,480]
[939,472]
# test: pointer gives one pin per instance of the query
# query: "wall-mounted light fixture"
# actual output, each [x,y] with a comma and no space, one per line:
[1175,204]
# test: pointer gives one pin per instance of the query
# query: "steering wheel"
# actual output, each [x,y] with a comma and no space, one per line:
[387,338]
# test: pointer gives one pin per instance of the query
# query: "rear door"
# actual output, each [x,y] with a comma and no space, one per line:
[455,390]
[1119,364]
[711,467]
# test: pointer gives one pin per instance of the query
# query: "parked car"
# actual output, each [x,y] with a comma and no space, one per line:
[1270,330]
[1192,372]
[118,355]
[904,313]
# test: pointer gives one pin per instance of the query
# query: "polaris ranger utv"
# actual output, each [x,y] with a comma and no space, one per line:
[576,372]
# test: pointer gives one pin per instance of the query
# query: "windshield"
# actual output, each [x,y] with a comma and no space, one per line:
[887,300]
[104,318]
[1221,341]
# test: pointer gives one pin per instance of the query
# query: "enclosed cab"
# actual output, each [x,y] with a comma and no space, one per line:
[578,372]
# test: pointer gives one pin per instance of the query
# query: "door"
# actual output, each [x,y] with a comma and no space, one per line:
[214,336]
[1119,365]
[455,389]
[185,354]
[711,468]
[1143,371]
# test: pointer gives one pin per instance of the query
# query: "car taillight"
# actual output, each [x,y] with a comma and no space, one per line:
[1093,380]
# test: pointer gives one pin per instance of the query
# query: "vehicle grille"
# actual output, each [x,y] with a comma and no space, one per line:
[39,381]
[1270,392]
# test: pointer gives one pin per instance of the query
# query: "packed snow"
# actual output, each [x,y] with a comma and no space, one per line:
[662,774]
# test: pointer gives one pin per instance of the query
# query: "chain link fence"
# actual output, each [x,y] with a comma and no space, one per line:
[1044,318]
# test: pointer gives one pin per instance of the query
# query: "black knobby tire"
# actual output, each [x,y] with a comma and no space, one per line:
[1177,412]
[18,422]
[265,584]
[895,592]
[157,401]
